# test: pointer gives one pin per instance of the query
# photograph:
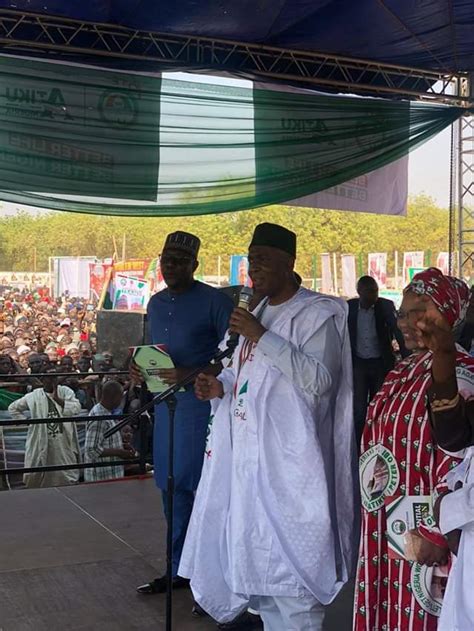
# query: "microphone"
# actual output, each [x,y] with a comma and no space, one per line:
[245,297]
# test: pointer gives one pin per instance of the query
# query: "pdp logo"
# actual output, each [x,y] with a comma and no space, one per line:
[118,108]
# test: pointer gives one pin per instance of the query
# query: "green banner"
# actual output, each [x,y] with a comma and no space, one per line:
[88,140]
[302,143]
[78,131]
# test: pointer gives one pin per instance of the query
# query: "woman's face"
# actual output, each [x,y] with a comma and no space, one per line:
[411,311]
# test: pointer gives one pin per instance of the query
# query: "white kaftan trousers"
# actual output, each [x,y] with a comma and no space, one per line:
[282,613]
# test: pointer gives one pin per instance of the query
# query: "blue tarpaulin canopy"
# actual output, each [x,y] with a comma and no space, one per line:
[403,48]
[429,34]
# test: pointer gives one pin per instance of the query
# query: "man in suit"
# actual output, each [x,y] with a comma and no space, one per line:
[372,329]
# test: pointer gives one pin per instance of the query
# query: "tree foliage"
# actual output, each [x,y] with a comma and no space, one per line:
[68,234]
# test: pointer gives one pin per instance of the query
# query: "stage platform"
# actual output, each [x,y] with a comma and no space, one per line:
[70,559]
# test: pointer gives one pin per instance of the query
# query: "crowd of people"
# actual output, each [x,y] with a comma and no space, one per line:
[325,413]
[35,328]
[49,355]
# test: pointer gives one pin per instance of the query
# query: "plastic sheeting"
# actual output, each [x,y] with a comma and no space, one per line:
[431,34]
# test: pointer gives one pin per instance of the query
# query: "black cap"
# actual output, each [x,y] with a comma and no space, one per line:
[184,241]
[275,236]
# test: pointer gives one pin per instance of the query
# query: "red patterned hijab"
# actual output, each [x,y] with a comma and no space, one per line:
[450,295]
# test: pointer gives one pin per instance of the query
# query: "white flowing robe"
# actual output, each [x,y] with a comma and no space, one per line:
[457,511]
[49,448]
[276,510]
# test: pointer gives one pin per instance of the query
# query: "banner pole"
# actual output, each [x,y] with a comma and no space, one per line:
[314,272]
[396,270]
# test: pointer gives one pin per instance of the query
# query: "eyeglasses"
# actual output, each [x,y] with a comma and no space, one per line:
[405,315]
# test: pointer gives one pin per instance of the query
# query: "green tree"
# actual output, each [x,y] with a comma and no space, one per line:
[319,231]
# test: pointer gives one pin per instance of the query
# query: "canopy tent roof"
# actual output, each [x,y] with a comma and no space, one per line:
[429,34]
[399,48]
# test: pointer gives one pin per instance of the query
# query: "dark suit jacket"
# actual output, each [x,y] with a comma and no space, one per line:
[387,329]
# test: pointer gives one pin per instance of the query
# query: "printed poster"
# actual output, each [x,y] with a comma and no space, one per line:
[412,259]
[327,286]
[97,278]
[349,280]
[239,271]
[133,267]
[442,262]
[130,294]
[377,266]
[405,513]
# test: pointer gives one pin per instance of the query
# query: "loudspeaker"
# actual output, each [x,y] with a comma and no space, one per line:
[117,331]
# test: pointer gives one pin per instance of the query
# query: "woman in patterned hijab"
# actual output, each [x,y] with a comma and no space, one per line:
[401,473]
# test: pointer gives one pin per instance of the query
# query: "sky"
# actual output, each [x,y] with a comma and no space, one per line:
[428,168]
[428,165]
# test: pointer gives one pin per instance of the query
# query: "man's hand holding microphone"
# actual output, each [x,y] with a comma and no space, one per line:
[242,322]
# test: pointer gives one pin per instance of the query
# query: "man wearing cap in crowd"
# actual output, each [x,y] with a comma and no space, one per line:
[273,525]
[189,318]
[23,352]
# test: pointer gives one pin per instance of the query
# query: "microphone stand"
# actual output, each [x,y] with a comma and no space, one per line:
[168,396]
[171,402]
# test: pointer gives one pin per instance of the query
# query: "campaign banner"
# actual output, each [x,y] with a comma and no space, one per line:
[239,271]
[412,260]
[316,135]
[377,266]
[383,191]
[146,269]
[129,294]
[78,131]
[97,278]
[349,280]
[154,277]
[442,262]
[24,279]
[137,268]
[327,285]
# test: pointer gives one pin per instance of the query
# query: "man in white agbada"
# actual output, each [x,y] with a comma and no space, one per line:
[274,524]
[53,443]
